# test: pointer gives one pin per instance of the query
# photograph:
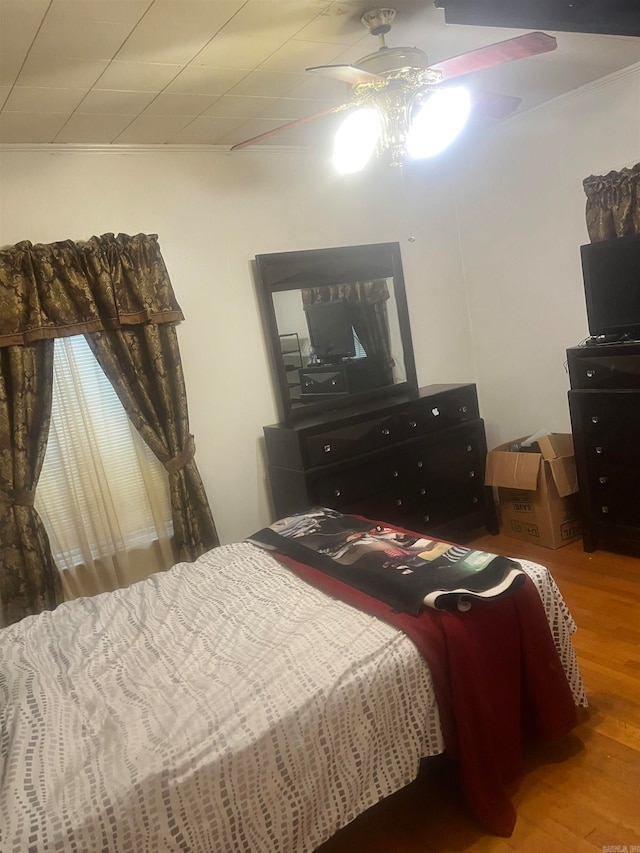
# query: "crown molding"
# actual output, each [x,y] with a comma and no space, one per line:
[114,148]
[600,83]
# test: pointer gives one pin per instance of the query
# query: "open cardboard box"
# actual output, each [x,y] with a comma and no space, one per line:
[537,491]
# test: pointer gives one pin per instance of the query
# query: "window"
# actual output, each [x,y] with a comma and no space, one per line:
[103,495]
[360,351]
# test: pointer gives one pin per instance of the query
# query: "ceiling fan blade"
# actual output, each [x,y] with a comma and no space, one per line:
[289,125]
[495,54]
[494,105]
[347,73]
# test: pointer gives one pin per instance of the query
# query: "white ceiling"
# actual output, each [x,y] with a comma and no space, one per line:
[216,72]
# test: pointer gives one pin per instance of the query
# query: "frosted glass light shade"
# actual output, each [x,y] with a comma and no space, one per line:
[356,140]
[438,122]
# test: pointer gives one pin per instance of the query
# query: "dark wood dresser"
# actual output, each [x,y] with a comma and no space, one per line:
[415,460]
[604,402]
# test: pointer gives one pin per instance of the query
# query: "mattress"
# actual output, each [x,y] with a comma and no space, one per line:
[223,705]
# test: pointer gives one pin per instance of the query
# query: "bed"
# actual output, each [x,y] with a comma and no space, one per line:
[226,705]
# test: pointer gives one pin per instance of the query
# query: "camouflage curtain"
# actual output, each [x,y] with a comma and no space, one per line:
[116,288]
[29,580]
[353,291]
[66,288]
[613,204]
[143,365]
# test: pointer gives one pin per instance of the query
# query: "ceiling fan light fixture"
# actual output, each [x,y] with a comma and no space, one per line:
[356,140]
[438,122]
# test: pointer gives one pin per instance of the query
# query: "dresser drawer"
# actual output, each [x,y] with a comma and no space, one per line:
[323,381]
[432,493]
[615,501]
[609,453]
[346,442]
[346,485]
[459,446]
[461,500]
[440,411]
[605,371]
[437,506]
[609,426]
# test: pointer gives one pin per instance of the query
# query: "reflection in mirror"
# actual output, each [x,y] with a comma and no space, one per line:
[338,325]
[346,335]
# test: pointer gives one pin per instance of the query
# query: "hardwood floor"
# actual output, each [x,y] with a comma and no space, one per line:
[582,794]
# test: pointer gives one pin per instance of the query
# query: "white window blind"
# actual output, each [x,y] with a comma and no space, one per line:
[360,350]
[102,492]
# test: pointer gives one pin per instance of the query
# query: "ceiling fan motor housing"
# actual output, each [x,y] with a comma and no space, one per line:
[388,59]
[378,21]
[394,59]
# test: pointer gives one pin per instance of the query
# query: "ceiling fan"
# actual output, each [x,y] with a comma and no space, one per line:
[402,105]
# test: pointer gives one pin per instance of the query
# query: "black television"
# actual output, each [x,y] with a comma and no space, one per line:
[609,17]
[611,272]
[330,331]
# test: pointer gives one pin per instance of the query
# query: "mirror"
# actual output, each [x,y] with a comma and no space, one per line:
[337,326]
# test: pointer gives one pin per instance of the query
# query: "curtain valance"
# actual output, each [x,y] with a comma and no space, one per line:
[613,204]
[357,291]
[69,288]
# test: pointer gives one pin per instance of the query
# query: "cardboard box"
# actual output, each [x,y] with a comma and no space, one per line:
[537,491]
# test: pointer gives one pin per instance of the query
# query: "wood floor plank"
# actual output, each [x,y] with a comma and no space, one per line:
[580,795]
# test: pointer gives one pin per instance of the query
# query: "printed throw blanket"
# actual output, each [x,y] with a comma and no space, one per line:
[402,569]
[496,672]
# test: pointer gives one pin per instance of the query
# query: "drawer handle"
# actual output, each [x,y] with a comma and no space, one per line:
[395,474]
[435,411]
[603,480]
[385,431]
[469,448]
[605,509]
[594,419]
[337,492]
[419,463]
[413,424]
[599,450]
[327,448]
[472,474]
[398,501]
[463,410]
[423,491]
[427,518]
[334,381]
[590,374]
[474,500]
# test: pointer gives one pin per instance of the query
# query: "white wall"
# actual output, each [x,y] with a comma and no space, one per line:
[520,214]
[521,208]
[213,213]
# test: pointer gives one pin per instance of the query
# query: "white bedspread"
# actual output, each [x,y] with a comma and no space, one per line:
[222,706]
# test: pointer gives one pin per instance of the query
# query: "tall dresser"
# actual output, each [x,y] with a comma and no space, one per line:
[415,460]
[604,402]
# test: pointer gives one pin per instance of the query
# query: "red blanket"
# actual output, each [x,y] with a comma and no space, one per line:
[497,677]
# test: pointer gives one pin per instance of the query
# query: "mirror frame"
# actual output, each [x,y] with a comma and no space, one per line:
[283,271]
